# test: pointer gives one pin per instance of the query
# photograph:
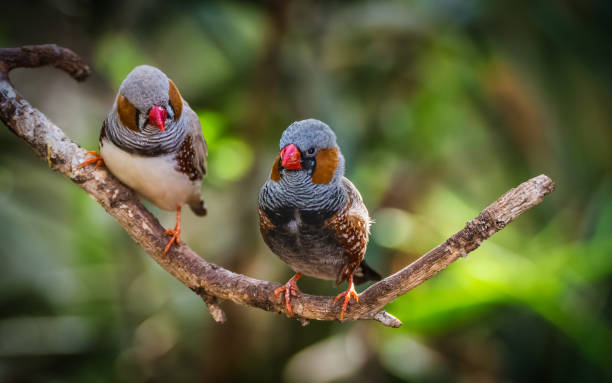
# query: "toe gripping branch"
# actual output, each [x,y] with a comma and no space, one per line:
[96,158]
[175,233]
[290,289]
[350,292]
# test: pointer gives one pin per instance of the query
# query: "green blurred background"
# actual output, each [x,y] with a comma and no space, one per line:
[439,107]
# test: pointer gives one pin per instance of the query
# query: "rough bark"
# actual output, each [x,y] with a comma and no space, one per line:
[208,280]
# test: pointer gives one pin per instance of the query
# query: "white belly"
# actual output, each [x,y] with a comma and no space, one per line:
[154,178]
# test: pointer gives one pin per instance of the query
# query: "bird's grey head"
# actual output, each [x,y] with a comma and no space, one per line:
[308,134]
[144,87]
[309,147]
[147,112]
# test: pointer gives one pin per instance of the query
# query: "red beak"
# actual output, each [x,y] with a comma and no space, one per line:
[290,156]
[157,117]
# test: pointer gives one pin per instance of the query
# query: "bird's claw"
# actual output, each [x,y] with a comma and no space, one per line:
[175,233]
[96,158]
[348,294]
[290,289]
[176,237]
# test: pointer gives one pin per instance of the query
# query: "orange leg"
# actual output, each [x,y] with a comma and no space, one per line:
[350,292]
[97,159]
[290,288]
[175,233]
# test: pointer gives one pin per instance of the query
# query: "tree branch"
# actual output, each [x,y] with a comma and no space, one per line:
[208,280]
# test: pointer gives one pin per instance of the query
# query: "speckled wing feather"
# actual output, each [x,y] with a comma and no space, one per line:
[352,226]
[199,144]
[191,157]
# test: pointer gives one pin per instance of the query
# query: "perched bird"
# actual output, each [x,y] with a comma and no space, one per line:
[152,141]
[311,216]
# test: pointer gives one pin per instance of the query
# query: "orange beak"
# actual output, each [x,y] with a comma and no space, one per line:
[157,117]
[290,157]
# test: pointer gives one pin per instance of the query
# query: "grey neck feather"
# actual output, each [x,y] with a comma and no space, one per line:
[149,142]
[296,190]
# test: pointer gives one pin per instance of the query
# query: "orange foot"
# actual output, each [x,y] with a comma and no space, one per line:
[175,233]
[97,159]
[350,292]
[290,288]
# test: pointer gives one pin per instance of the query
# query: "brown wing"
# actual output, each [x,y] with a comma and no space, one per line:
[265,225]
[191,157]
[352,227]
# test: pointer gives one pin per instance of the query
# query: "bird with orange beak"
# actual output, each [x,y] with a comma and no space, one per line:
[152,142]
[311,216]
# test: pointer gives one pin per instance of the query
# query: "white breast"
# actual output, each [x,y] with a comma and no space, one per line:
[154,178]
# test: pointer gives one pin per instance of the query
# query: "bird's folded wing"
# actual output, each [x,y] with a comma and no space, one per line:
[200,150]
[352,227]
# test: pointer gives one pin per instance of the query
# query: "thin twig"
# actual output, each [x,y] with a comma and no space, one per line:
[210,281]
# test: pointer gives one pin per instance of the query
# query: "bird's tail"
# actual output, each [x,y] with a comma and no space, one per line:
[197,206]
[364,273]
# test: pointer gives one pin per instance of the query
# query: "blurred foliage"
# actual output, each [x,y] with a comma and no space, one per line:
[439,107]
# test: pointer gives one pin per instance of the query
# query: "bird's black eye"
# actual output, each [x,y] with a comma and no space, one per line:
[311,151]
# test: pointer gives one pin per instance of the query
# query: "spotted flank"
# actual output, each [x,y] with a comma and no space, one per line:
[352,228]
[185,160]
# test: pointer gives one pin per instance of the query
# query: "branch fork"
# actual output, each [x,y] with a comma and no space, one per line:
[210,281]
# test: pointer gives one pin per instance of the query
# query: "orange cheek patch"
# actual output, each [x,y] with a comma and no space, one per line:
[127,113]
[275,174]
[327,162]
[175,100]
